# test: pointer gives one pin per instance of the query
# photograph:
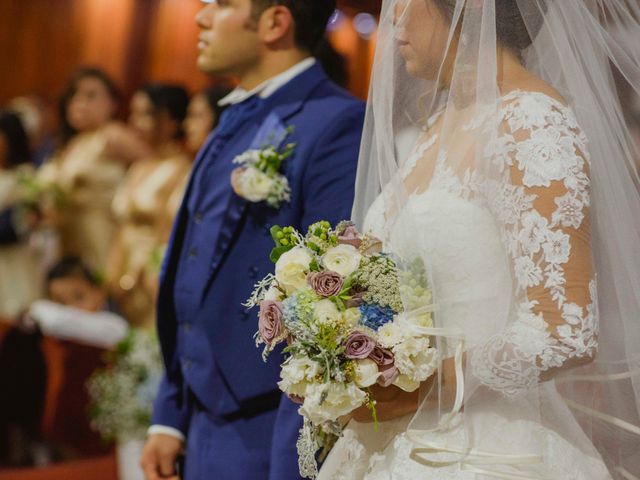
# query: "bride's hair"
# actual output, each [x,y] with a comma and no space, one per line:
[511,29]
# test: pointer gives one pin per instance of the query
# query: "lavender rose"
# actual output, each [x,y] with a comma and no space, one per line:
[382,356]
[388,375]
[372,245]
[355,301]
[359,346]
[270,321]
[326,284]
[350,236]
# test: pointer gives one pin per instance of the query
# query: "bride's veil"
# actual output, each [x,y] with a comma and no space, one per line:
[437,78]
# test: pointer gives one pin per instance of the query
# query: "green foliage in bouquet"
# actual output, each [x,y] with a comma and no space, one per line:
[122,394]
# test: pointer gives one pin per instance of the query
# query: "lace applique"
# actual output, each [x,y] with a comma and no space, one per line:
[553,150]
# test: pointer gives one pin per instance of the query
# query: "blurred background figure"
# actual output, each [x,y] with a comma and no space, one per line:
[20,280]
[148,199]
[91,160]
[40,121]
[45,359]
[203,116]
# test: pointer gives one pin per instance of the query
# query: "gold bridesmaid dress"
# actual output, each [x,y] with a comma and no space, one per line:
[145,206]
[89,177]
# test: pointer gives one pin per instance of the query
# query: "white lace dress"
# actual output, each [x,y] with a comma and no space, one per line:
[530,225]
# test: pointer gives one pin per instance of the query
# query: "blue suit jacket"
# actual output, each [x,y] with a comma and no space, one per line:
[321,173]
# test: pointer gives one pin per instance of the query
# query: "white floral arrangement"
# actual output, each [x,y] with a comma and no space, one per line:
[258,178]
[340,303]
[122,394]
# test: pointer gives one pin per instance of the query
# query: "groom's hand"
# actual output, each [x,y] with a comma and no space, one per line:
[159,457]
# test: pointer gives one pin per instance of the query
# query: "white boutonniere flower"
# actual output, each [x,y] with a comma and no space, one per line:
[258,177]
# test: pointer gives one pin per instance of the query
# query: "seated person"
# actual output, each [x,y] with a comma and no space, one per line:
[77,312]
[77,308]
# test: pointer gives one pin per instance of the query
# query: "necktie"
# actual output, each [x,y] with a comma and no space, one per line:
[230,121]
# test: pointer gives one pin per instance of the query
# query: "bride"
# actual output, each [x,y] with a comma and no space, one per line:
[518,193]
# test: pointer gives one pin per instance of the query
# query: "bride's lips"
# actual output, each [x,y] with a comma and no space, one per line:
[202,43]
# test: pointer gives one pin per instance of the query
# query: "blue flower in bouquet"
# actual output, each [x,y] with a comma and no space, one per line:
[375,316]
[299,306]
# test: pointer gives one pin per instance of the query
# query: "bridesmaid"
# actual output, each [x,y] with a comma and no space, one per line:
[148,199]
[20,276]
[93,156]
[203,116]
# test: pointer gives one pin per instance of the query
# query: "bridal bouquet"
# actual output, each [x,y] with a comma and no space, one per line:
[337,300]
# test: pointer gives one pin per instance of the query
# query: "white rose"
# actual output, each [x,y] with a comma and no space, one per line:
[292,267]
[254,185]
[273,293]
[248,157]
[415,359]
[329,402]
[342,259]
[405,383]
[423,320]
[351,317]
[367,372]
[391,334]
[297,374]
[327,312]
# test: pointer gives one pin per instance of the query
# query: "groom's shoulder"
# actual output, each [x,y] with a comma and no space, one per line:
[330,94]
[330,104]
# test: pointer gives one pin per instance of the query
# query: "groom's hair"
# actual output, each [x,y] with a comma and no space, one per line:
[310,17]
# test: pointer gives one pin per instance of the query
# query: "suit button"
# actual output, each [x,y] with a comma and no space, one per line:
[186,363]
[197,218]
[193,252]
[253,272]
[187,327]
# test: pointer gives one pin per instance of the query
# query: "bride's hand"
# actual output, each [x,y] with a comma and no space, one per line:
[391,403]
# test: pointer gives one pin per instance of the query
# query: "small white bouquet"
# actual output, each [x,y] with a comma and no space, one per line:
[122,394]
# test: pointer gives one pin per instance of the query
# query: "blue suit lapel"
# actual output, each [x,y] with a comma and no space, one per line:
[282,105]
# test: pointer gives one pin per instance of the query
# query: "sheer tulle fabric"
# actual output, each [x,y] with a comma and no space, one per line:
[546,334]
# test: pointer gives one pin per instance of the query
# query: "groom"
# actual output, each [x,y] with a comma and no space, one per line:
[219,402]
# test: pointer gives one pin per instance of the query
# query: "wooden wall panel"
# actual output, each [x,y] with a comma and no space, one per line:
[173,44]
[43,41]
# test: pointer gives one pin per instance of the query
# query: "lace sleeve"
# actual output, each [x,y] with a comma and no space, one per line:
[542,205]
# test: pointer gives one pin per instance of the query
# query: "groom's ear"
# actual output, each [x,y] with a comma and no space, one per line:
[277,28]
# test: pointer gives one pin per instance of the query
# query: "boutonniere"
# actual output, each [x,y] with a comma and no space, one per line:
[258,177]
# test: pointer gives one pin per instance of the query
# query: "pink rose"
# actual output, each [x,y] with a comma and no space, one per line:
[373,245]
[382,356]
[359,346]
[270,322]
[326,284]
[355,301]
[388,375]
[350,236]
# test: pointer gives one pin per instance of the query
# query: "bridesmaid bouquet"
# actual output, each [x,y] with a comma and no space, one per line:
[36,194]
[122,393]
[338,302]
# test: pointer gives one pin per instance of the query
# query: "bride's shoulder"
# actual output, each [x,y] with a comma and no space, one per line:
[536,105]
